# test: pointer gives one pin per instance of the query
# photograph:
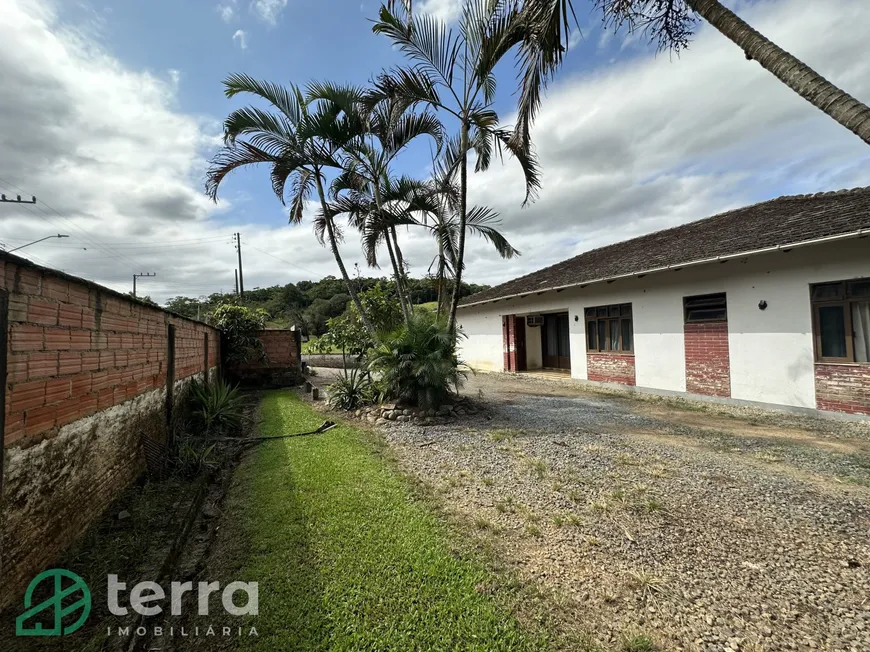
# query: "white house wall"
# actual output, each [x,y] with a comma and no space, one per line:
[771,350]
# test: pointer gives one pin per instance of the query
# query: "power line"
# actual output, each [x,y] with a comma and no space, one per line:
[282,260]
[93,241]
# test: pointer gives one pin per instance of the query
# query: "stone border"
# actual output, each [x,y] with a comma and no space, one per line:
[385,413]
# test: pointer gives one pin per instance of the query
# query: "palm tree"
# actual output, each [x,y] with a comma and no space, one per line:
[670,23]
[390,127]
[376,210]
[299,140]
[453,72]
[480,220]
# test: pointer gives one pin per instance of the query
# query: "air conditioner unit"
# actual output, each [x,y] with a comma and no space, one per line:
[535,320]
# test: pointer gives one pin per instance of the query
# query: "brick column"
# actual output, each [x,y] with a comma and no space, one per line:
[708,367]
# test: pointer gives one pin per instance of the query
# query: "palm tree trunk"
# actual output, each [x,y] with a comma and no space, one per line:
[792,72]
[400,261]
[460,246]
[333,245]
[439,277]
[399,289]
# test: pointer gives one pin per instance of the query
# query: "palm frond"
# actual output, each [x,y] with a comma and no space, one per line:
[411,126]
[303,186]
[546,28]
[230,158]
[288,100]
[425,40]
[527,159]
[481,220]
[262,124]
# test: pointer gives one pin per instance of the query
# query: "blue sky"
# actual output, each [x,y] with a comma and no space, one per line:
[118,108]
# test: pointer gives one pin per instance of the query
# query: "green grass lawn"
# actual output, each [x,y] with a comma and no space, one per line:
[346,558]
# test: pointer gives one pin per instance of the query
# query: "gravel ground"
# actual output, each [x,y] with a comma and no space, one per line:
[706,528]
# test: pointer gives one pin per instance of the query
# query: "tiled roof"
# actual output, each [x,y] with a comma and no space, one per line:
[778,222]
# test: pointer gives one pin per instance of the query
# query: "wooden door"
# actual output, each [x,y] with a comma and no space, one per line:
[520,342]
[555,341]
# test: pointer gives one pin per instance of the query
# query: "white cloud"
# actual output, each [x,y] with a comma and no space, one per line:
[652,142]
[227,11]
[447,11]
[242,37]
[626,149]
[269,10]
[574,38]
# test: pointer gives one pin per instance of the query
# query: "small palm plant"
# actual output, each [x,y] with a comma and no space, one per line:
[417,364]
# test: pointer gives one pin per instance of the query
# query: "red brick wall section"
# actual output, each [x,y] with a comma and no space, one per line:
[708,367]
[843,388]
[280,368]
[74,350]
[611,368]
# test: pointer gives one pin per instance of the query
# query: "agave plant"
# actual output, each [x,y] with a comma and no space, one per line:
[353,388]
[216,407]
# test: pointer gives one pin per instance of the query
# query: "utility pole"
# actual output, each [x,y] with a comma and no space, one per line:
[238,238]
[237,281]
[17,200]
[135,276]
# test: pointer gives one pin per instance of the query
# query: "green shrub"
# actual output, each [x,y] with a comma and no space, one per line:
[417,363]
[353,388]
[241,327]
[216,408]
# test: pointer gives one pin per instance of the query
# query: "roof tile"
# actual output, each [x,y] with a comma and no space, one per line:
[777,222]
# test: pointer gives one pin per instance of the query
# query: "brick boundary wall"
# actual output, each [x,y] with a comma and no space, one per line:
[282,365]
[611,368]
[708,364]
[843,388]
[86,380]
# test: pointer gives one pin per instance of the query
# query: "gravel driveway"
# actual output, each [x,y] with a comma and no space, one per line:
[707,528]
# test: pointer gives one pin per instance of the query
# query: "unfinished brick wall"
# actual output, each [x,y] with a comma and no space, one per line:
[281,366]
[86,379]
[708,365]
[843,388]
[611,368]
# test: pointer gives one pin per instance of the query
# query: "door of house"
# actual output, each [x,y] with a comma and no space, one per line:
[520,342]
[555,341]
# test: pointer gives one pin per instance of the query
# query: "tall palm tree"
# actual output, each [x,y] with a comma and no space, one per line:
[299,140]
[376,210]
[452,71]
[670,23]
[390,127]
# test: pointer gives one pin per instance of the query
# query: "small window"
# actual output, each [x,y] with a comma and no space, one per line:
[609,328]
[841,321]
[705,308]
